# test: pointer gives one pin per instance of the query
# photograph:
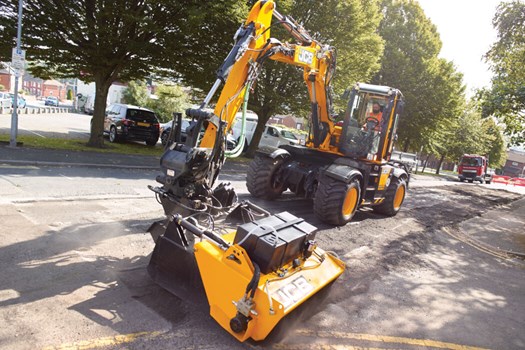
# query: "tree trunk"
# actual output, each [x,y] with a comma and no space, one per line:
[406,145]
[425,165]
[102,84]
[439,164]
[264,115]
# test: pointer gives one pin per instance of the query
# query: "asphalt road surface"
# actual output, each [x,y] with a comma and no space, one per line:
[74,251]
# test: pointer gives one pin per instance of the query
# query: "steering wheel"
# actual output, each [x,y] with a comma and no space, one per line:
[371,123]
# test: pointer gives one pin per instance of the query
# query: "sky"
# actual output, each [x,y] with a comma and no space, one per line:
[466,31]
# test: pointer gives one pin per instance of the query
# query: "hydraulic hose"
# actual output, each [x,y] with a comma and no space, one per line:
[240,146]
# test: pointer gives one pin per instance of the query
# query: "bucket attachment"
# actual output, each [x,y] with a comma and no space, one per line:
[173,265]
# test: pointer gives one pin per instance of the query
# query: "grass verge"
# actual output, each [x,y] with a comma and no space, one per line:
[133,148]
[81,145]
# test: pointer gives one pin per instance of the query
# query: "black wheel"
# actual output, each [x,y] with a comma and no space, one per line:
[263,180]
[113,136]
[470,181]
[487,182]
[152,142]
[164,138]
[335,201]
[395,195]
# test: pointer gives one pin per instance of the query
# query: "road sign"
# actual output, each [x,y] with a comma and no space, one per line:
[18,60]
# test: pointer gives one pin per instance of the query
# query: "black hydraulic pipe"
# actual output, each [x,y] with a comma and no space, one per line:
[198,232]
[178,126]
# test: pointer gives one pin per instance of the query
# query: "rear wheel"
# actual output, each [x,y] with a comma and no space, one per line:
[263,180]
[335,201]
[395,195]
[152,142]
[113,136]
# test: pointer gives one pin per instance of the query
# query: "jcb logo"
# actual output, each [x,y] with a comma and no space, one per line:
[293,292]
[305,56]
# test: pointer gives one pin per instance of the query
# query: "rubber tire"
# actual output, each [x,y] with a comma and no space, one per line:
[151,142]
[470,181]
[260,178]
[387,206]
[330,198]
[487,182]
[113,135]
[164,138]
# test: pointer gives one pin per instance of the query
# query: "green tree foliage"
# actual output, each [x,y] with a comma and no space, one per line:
[105,40]
[69,94]
[170,99]
[432,88]
[506,97]
[136,93]
[469,133]
[495,145]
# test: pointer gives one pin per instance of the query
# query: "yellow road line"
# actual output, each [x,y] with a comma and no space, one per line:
[387,339]
[106,341]
[323,347]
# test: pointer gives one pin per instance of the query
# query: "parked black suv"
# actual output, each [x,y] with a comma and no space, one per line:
[131,123]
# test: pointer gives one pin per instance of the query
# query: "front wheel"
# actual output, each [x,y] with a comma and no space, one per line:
[335,201]
[263,179]
[113,136]
[394,198]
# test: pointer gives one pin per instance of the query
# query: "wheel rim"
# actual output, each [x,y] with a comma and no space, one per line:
[400,195]
[350,201]
[112,135]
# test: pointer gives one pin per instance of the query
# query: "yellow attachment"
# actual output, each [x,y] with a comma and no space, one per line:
[225,275]
[385,175]
[350,202]
[398,198]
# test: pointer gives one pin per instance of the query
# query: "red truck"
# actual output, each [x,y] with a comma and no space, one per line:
[473,167]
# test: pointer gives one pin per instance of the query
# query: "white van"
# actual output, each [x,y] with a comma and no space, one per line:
[251,124]
[275,136]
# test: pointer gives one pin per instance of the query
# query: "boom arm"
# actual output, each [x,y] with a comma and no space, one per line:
[253,46]
[200,160]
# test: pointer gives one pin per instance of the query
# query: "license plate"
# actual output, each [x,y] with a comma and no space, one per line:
[144,124]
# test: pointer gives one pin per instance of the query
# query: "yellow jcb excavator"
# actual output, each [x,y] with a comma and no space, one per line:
[256,275]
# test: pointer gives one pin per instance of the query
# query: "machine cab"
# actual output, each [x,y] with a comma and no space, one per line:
[370,122]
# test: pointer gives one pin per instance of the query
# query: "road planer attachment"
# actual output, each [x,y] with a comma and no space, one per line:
[250,278]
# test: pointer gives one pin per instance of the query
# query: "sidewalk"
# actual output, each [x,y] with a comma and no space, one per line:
[43,157]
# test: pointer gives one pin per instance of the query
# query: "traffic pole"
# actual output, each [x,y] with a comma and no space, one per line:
[14,116]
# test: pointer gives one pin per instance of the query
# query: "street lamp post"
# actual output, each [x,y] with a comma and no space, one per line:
[14,116]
